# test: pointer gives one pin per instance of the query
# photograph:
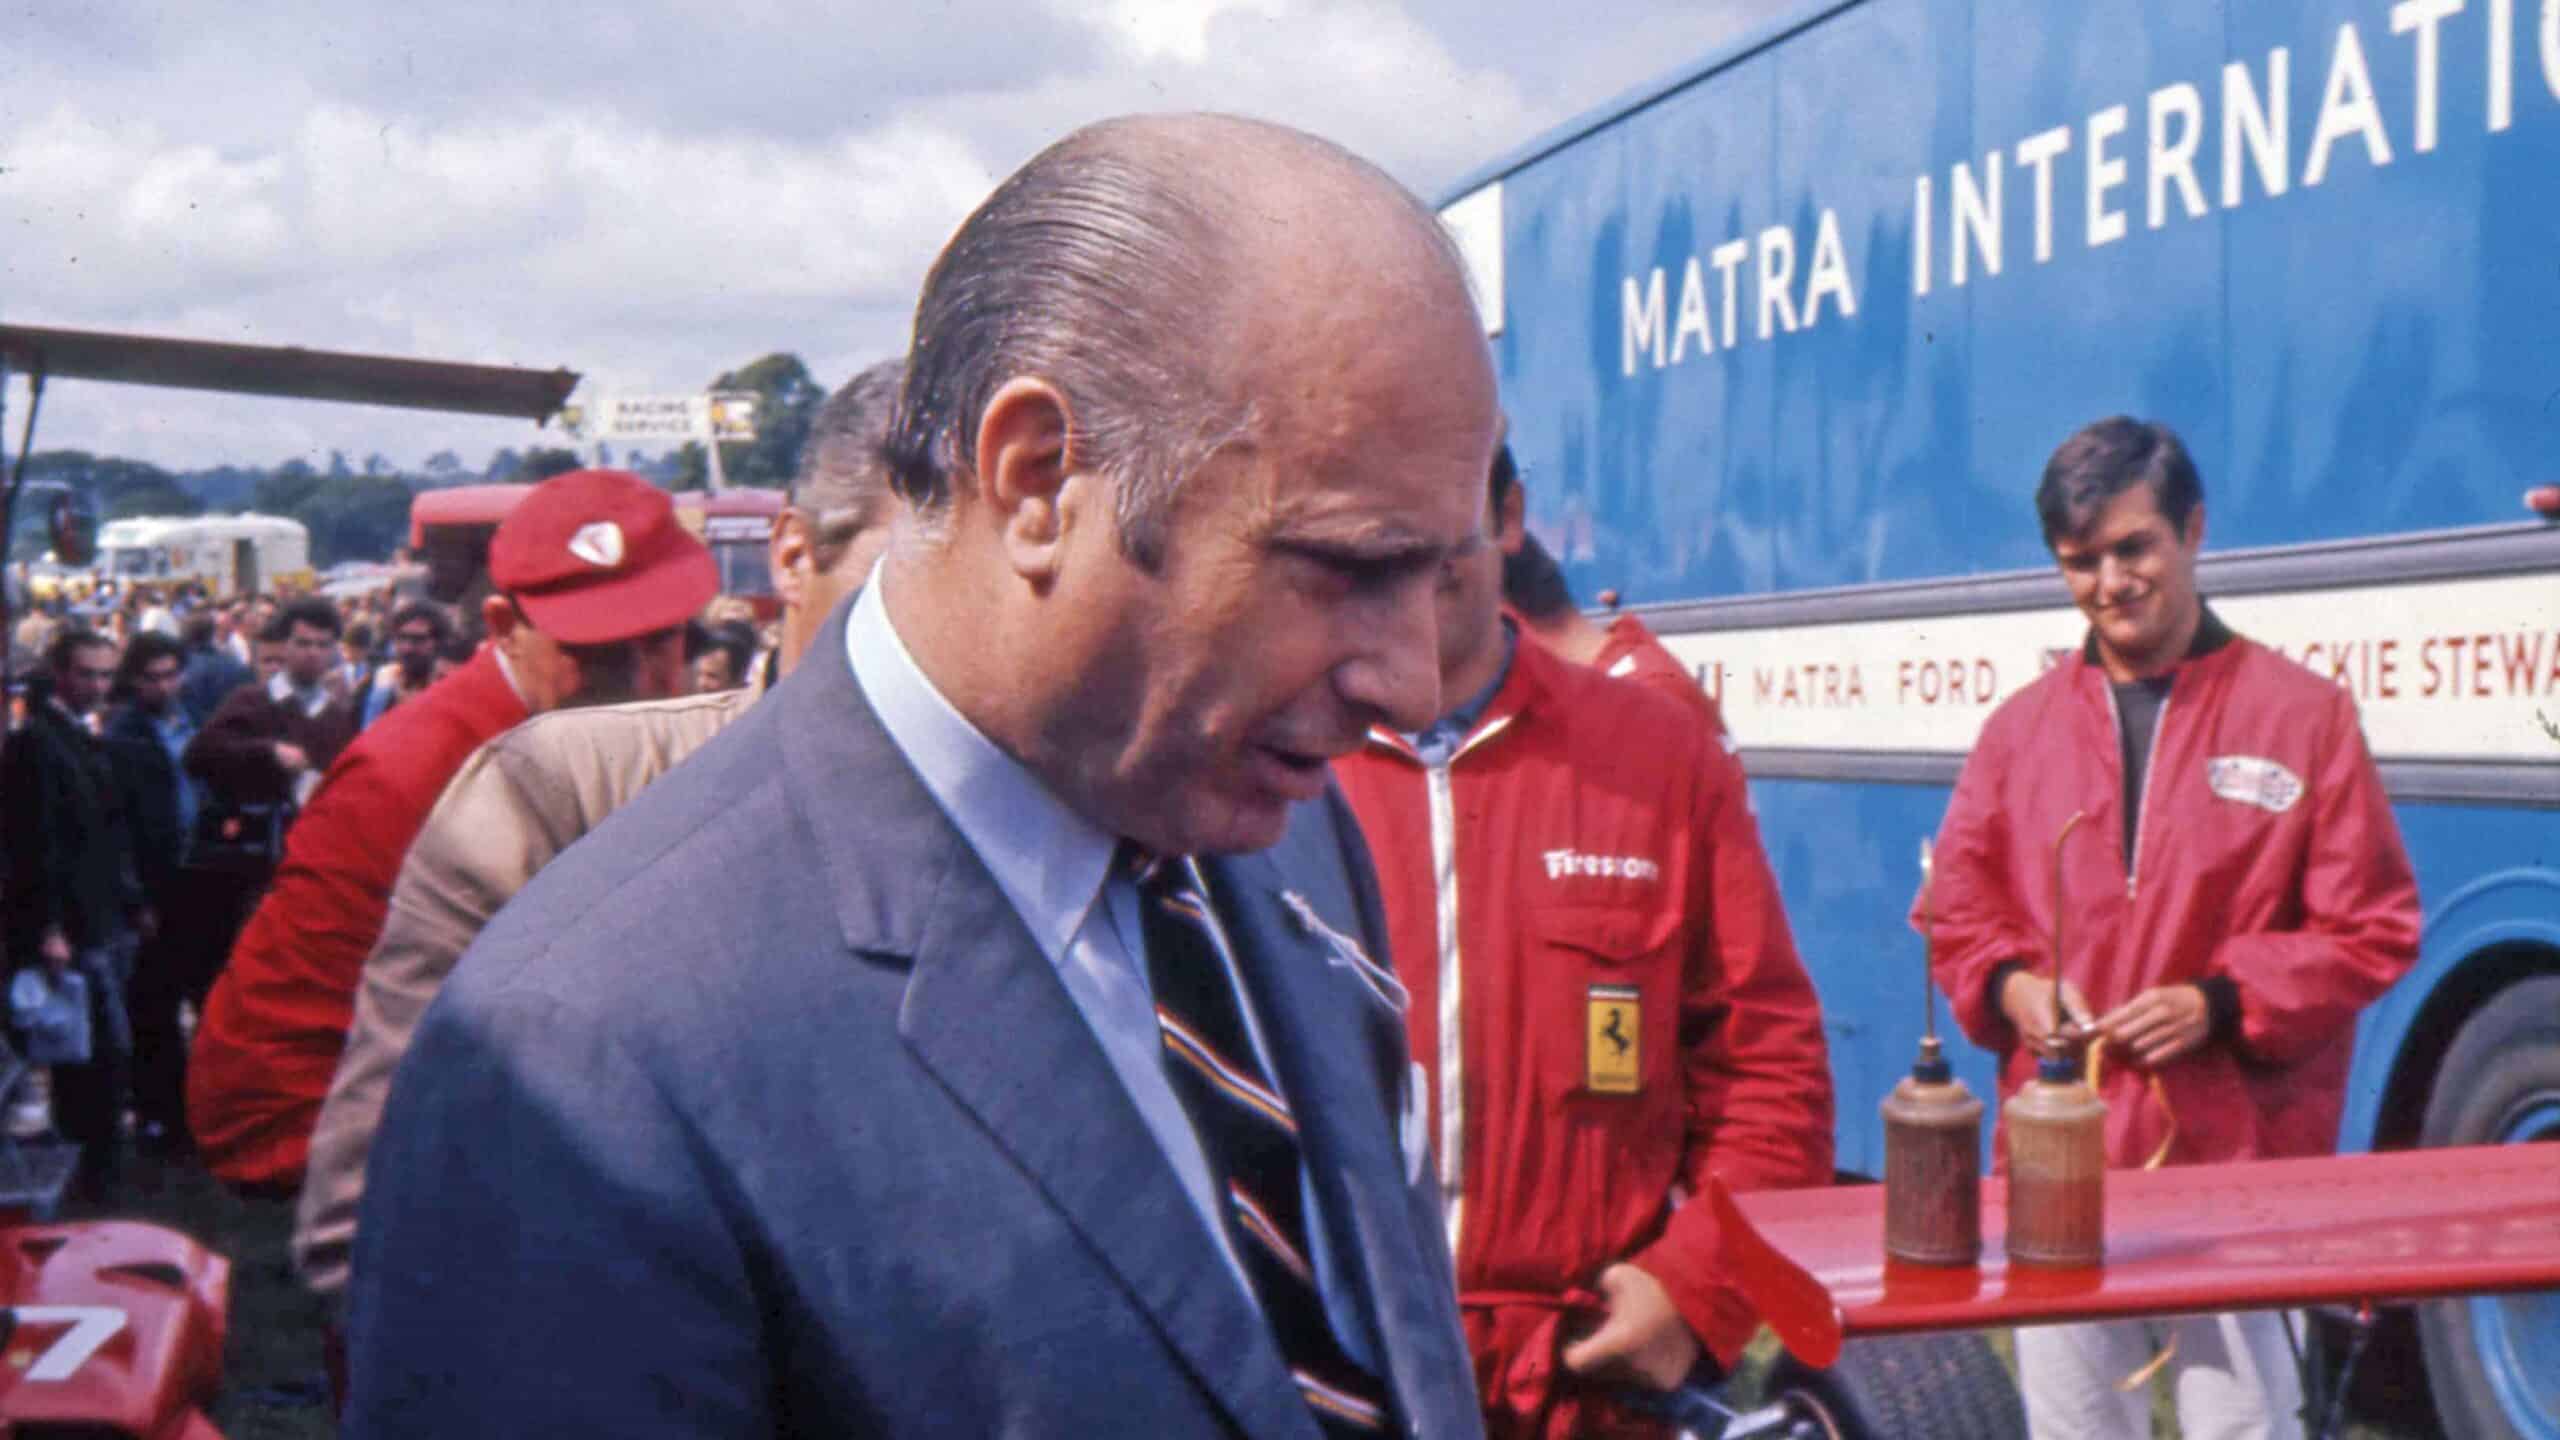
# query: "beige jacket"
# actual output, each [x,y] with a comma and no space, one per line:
[517,802]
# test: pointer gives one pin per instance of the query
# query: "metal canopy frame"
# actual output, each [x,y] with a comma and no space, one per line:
[283,371]
[288,371]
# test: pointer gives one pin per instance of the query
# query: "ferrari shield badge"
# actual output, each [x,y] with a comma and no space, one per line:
[1612,1016]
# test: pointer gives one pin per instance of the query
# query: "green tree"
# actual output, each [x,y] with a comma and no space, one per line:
[131,487]
[541,464]
[116,487]
[362,517]
[156,495]
[224,488]
[286,489]
[787,400]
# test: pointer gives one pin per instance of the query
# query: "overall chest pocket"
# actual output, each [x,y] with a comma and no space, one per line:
[1607,991]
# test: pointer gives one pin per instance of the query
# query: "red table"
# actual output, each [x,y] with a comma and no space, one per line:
[2407,1225]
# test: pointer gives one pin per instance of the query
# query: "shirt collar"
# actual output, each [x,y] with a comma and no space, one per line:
[309,701]
[1451,730]
[2211,635]
[506,670]
[1049,861]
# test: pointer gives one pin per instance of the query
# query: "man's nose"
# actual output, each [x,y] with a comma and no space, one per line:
[1396,676]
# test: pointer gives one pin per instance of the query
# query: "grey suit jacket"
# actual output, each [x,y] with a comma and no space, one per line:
[760,1112]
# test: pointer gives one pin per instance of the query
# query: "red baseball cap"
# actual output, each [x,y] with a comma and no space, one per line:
[596,556]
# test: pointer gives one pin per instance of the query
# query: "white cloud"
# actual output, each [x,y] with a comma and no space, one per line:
[647,259]
[1363,73]
[652,191]
[1150,30]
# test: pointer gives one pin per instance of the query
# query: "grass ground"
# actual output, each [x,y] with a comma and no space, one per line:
[275,1387]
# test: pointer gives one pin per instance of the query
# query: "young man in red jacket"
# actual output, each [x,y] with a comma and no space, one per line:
[2236,893]
[1605,1001]
[596,578]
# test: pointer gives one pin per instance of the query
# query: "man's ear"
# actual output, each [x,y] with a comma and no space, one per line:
[1022,473]
[498,617]
[2193,538]
[787,555]
[1510,519]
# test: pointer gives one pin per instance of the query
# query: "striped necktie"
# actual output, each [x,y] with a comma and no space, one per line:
[1248,1136]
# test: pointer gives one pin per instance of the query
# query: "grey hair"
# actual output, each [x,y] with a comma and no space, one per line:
[843,483]
[1099,267]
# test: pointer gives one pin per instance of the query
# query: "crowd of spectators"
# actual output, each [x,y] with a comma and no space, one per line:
[163,740]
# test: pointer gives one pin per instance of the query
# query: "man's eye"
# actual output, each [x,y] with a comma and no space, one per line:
[1354,571]
[1388,572]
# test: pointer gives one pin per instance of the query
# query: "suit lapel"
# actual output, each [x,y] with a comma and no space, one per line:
[1340,1053]
[987,1016]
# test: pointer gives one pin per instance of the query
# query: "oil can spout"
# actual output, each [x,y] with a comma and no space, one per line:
[2058,1030]
[1932,1141]
[1928,948]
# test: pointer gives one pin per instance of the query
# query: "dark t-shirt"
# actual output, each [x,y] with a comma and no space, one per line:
[2138,707]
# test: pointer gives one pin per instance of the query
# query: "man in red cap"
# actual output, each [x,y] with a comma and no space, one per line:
[595,579]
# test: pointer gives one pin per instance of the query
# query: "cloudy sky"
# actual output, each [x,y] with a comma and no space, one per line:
[651,191]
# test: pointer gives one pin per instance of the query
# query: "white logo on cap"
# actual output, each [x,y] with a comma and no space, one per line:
[599,544]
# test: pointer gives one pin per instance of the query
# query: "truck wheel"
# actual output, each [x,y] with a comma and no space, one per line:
[2493,1361]
[1912,1387]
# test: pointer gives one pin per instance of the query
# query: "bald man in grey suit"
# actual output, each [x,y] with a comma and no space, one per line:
[911,1133]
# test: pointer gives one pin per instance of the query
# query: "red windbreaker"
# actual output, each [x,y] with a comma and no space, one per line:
[1585,871]
[2267,853]
[277,1020]
[1633,652]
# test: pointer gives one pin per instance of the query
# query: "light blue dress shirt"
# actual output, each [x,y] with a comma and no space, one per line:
[1055,868]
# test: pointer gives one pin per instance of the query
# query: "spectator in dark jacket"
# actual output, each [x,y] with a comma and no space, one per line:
[264,749]
[75,904]
[147,736]
[261,743]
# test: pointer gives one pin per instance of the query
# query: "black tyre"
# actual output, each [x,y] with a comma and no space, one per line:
[1912,1387]
[2493,1361]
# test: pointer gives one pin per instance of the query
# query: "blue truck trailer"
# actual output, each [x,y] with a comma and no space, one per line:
[1786,338]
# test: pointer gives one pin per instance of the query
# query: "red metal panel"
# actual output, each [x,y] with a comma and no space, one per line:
[461,505]
[2343,1229]
[114,1325]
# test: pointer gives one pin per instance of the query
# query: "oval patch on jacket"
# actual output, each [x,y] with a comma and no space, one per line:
[2253,780]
